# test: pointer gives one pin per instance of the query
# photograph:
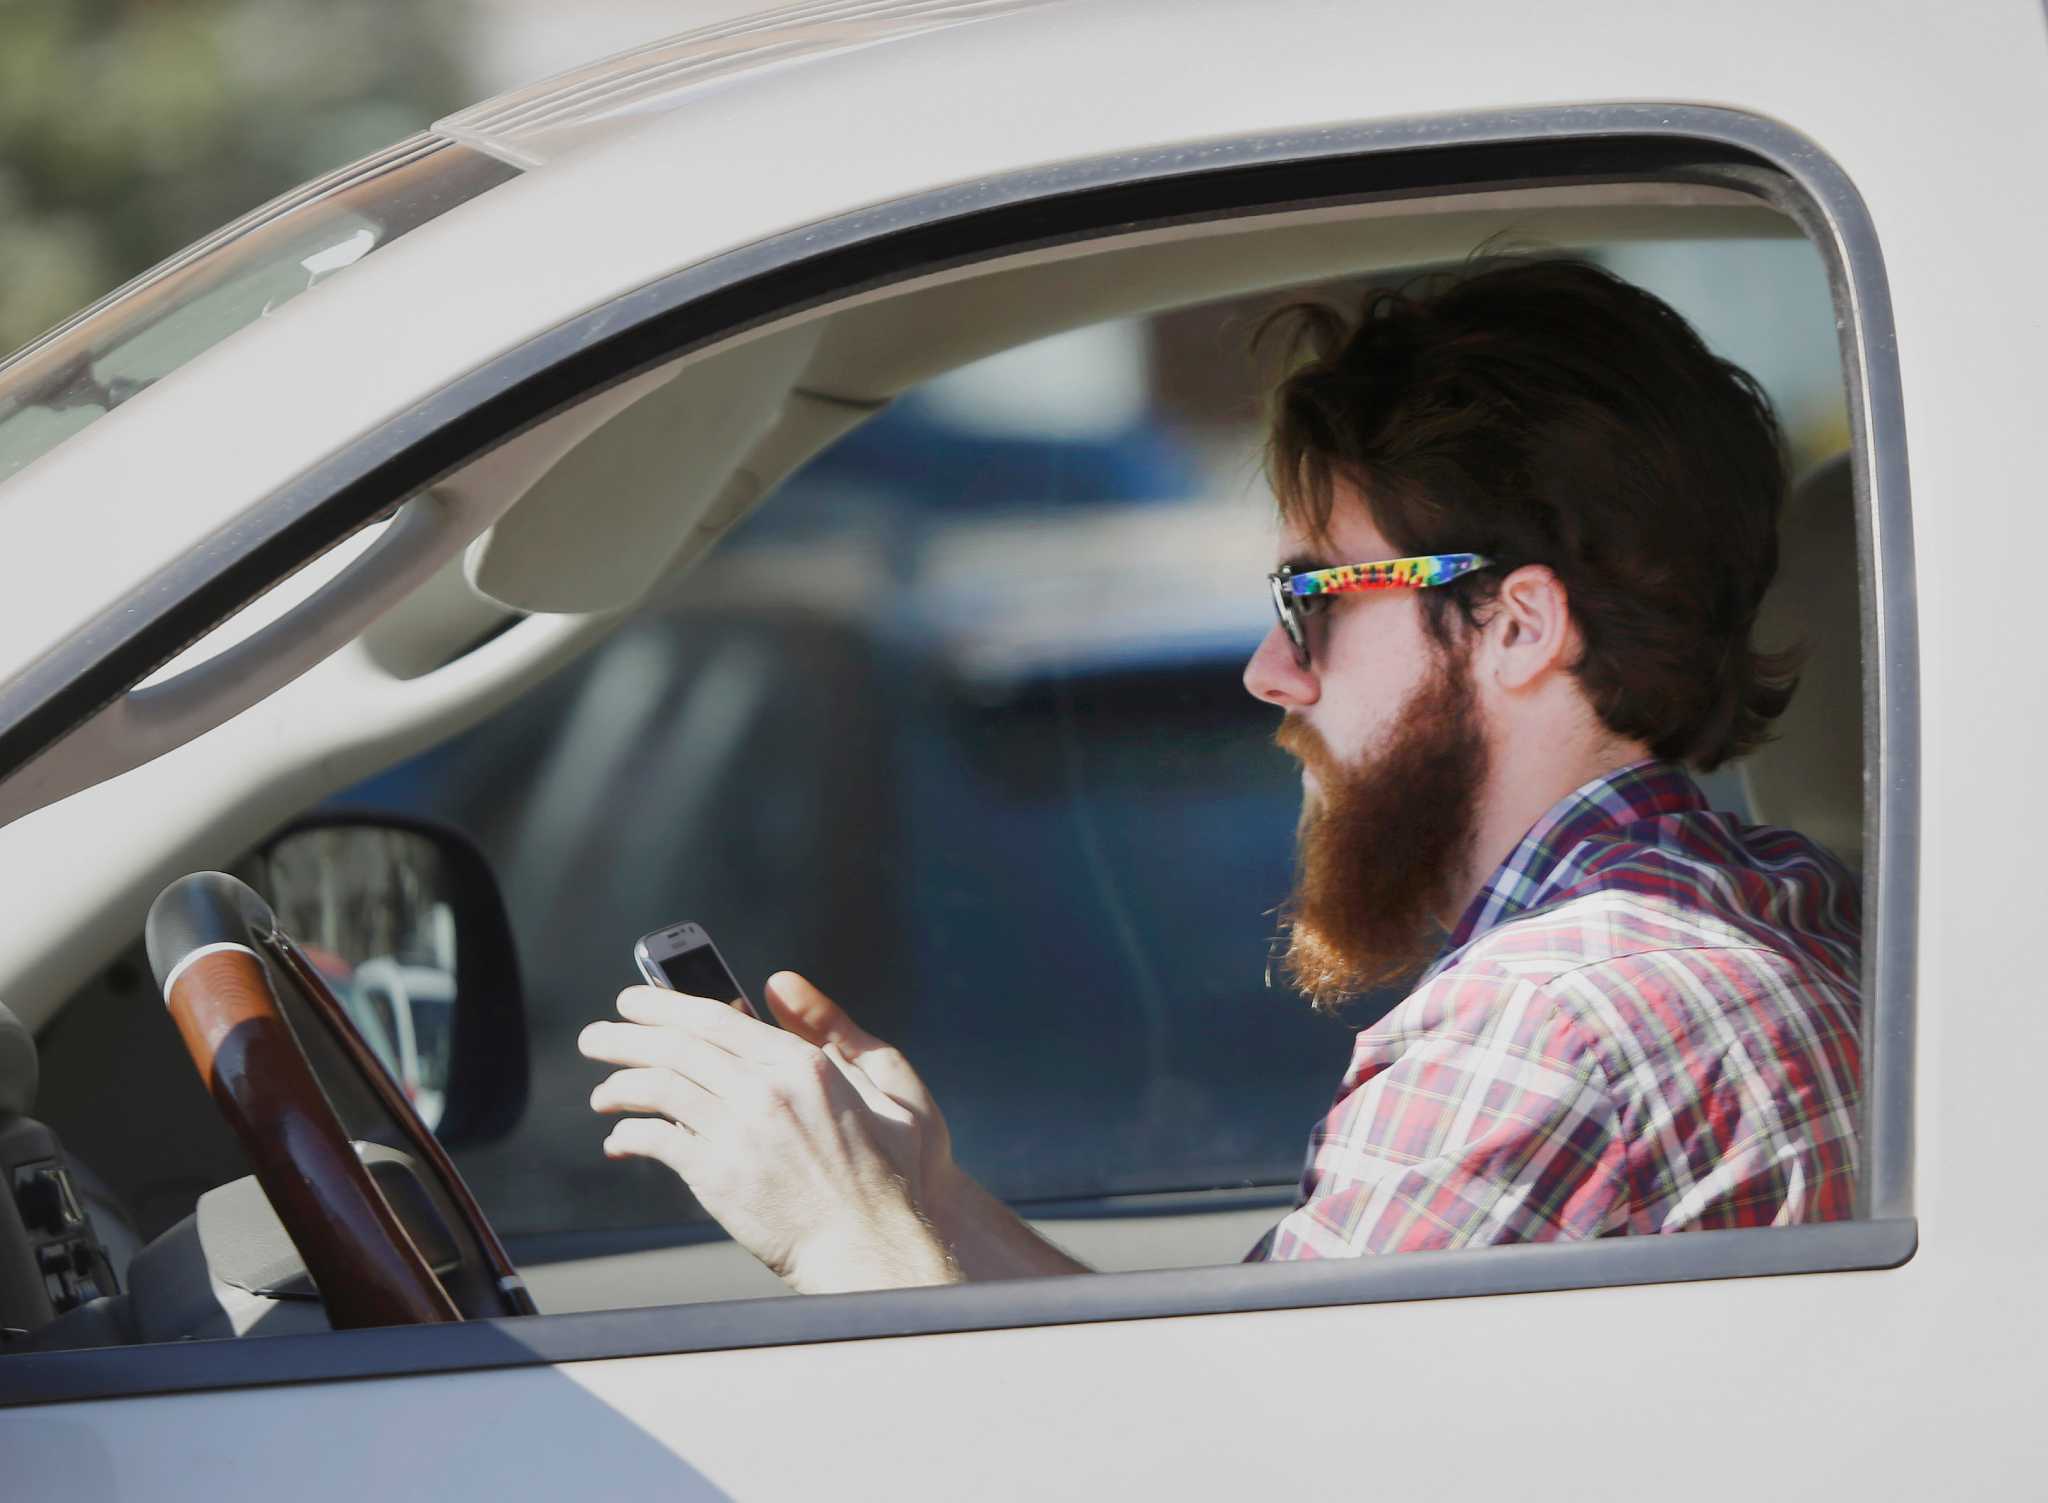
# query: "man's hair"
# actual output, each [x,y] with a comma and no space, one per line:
[1547,412]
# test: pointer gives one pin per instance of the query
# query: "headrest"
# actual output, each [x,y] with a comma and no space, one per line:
[1809,777]
[17,1066]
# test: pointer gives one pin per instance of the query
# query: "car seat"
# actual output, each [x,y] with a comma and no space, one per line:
[1809,776]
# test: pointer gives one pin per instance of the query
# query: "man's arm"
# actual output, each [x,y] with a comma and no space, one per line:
[816,1146]
[988,1240]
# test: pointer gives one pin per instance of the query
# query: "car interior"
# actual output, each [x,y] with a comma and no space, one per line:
[610,617]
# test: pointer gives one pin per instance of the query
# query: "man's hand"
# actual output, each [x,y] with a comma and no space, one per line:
[814,1148]
[907,1106]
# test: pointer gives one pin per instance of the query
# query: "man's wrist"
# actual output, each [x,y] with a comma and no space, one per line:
[896,1250]
[951,1198]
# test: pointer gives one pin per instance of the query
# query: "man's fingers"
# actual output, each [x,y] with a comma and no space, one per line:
[719,1023]
[676,1049]
[659,1091]
[650,1138]
[810,1014]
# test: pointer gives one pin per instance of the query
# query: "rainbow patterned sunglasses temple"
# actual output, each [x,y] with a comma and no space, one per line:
[1295,594]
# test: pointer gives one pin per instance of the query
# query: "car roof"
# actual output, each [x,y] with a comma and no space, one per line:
[539,122]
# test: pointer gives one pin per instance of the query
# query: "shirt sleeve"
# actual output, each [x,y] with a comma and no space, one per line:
[1482,1118]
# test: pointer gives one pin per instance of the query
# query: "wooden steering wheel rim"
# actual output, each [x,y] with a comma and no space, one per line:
[360,1256]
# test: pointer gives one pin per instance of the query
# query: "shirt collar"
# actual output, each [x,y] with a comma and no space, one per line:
[1640,791]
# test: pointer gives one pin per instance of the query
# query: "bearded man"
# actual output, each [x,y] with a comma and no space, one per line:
[1527,519]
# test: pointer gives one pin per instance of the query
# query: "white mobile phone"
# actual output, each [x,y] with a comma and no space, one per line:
[683,959]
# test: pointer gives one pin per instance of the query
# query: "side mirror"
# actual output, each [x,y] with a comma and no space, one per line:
[404,920]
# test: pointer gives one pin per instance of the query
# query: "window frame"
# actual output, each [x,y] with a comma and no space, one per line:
[1078,202]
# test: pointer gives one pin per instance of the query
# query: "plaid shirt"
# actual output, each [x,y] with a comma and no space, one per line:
[1645,1022]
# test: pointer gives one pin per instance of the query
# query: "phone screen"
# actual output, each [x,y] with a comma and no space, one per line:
[699,972]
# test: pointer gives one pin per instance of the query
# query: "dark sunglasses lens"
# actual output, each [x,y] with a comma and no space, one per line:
[1284,606]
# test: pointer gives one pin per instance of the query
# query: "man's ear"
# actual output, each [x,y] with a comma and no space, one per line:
[1532,633]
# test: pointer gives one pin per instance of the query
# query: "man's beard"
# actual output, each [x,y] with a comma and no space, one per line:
[1381,853]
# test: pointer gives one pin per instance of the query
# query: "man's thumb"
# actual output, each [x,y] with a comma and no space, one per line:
[811,1015]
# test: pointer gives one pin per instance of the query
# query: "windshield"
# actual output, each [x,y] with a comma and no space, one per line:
[89,365]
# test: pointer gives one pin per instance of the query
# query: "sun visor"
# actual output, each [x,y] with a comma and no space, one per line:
[626,504]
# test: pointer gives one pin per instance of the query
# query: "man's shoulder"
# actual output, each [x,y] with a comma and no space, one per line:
[1615,960]
[1606,933]
[1607,980]
[1701,881]
[1651,926]
[1580,953]
[1591,929]
[1587,939]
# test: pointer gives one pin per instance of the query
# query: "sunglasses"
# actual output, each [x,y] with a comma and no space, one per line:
[1296,597]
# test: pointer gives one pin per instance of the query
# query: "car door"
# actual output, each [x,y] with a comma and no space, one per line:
[1599,1368]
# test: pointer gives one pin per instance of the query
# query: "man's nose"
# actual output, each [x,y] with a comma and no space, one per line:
[1275,677]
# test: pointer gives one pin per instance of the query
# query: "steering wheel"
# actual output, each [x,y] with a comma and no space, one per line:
[215,947]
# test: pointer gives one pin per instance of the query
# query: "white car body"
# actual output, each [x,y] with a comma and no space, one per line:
[1912,1368]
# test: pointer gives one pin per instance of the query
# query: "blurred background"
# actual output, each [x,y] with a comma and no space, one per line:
[953,724]
[130,128]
